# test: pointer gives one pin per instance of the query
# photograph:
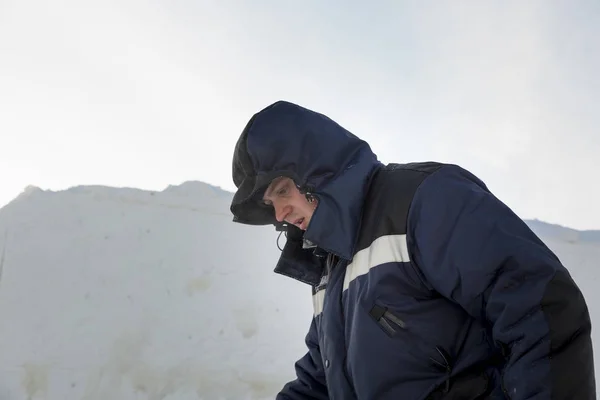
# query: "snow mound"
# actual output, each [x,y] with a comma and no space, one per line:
[561,233]
[191,195]
[121,293]
[124,294]
[29,191]
[198,190]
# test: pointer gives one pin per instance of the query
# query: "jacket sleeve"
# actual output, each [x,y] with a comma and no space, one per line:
[310,374]
[474,250]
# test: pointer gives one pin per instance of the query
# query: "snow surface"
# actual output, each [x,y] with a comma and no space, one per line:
[120,293]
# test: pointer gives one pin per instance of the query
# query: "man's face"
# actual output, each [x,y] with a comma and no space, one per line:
[290,205]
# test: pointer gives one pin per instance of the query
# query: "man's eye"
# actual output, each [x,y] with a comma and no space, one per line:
[282,191]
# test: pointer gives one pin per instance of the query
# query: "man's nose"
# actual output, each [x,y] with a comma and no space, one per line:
[281,212]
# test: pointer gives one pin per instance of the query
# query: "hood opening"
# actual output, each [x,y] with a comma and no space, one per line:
[319,155]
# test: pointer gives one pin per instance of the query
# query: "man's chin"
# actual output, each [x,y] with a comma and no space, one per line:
[304,224]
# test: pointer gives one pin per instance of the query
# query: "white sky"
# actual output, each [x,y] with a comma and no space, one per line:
[151,93]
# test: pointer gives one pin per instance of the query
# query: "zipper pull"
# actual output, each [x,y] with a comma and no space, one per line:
[445,357]
[447,385]
[446,365]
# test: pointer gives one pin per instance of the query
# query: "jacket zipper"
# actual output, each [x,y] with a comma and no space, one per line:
[334,262]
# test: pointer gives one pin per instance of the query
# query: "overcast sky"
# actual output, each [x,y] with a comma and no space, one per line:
[151,93]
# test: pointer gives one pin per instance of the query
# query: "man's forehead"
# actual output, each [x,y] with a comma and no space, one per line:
[273,184]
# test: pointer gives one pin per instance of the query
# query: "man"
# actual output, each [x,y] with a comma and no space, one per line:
[425,285]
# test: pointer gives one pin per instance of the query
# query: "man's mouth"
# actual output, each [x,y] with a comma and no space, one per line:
[299,221]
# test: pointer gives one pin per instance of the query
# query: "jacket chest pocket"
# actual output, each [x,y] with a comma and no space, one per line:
[397,328]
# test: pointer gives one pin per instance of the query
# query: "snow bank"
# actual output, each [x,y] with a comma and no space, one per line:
[128,294]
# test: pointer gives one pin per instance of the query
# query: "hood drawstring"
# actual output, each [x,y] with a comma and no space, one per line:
[279,236]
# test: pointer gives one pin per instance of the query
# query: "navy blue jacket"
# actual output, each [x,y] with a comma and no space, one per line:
[425,285]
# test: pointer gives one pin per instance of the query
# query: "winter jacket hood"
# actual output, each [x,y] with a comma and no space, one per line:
[322,158]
